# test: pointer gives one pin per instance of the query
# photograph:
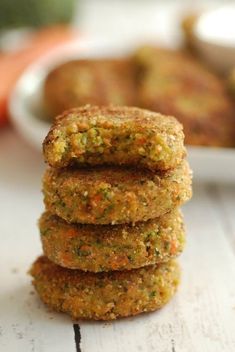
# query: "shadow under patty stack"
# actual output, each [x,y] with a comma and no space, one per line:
[112,227]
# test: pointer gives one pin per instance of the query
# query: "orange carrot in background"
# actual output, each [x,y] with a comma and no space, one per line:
[13,64]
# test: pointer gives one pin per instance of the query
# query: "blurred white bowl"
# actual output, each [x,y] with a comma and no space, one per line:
[215,37]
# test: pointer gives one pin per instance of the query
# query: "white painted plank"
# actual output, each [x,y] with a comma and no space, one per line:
[225,202]
[25,324]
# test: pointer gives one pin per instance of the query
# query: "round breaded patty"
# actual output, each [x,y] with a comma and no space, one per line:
[174,83]
[104,296]
[106,248]
[81,82]
[188,24]
[114,195]
[94,135]
[231,83]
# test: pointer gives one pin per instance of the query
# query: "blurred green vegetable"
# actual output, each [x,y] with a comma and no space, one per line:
[35,13]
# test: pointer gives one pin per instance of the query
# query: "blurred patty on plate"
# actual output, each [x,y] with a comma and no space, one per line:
[174,83]
[81,82]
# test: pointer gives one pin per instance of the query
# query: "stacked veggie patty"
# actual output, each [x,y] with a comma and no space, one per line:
[112,227]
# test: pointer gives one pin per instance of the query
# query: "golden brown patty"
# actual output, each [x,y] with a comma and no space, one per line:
[105,296]
[231,83]
[172,82]
[188,24]
[81,82]
[106,248]
[94,135]
[114,195]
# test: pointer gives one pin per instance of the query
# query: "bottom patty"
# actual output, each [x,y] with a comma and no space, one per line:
[112,247]
[104,296]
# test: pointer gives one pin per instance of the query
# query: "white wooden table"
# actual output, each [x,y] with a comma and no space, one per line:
[201,317]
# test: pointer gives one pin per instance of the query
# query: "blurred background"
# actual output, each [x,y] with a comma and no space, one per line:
[175,57]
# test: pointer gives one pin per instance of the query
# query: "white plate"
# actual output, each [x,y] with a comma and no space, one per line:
[25,105]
